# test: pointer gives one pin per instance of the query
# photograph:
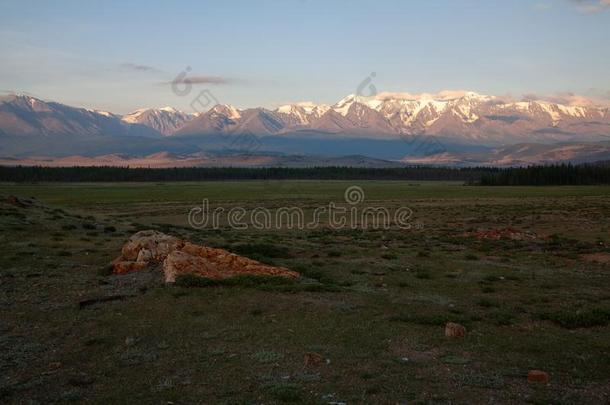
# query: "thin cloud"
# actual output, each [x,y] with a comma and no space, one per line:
[592,6]
[134,67]
[442,95]
[201,79]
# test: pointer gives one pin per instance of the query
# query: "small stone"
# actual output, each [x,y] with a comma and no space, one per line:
[313,359]
[454,330]
[537,376]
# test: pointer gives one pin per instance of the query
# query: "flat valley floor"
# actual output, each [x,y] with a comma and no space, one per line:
[525,269]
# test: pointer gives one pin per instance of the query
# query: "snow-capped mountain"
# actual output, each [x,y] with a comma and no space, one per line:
[22,115]
[462,116]
[164,120]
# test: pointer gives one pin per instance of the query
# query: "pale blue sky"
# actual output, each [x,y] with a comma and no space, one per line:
[120,55]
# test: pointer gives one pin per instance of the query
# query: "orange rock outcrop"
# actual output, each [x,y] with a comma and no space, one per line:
[179,257]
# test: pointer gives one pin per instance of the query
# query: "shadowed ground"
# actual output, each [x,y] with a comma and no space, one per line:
[372,303]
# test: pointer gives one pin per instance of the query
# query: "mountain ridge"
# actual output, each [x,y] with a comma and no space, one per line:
[385,126]
[468,116]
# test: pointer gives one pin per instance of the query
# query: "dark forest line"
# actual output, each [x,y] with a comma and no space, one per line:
[563,174]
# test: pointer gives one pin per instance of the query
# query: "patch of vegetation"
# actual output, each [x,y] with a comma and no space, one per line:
[264,283]
[579,319]
[105,271]
[315,274]
[261,250]
[192,280]
[487,303]
[431,319]
[423,274]
[490,279]
[267,356]
[286,392]
[502,318]
[471,256]
[334,253]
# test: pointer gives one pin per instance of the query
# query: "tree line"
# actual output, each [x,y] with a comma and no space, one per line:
[562,174]
[558,175]
[121,174]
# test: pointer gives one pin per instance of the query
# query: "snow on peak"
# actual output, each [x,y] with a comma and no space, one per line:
[105,113]
[228,110]
[344,105]
[287,109]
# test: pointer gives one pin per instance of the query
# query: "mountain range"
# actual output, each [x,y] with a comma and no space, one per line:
[388,126]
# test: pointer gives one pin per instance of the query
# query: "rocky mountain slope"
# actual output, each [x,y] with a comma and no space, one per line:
[165,120]
[25,116]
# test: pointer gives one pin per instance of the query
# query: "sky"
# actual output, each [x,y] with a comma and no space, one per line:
[122,55]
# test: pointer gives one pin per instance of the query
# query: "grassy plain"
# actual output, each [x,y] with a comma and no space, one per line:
[372,302]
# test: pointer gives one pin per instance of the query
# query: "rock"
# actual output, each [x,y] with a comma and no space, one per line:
[313,359]
[158,244]
[124,267]
[177,263]
[454,330]
[147,248]
[537,376]
[216,264]
[18,202]
[144,255]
